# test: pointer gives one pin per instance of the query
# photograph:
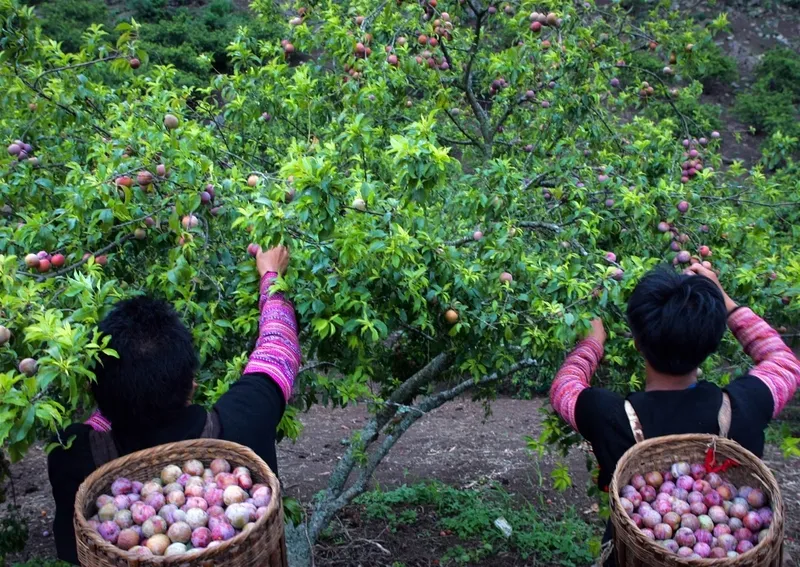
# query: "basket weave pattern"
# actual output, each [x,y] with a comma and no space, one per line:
[634,549]
[261,546]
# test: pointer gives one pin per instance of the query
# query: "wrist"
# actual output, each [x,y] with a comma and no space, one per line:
[730,304]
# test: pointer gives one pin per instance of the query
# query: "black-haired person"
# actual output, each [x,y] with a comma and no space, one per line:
[144,396]
[677,321]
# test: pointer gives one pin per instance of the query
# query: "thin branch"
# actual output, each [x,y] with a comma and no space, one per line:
[540,225]
[75,66]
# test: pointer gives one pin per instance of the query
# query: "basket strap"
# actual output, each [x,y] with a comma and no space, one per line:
[725,415]
[636,426]
[103,447]
[212,428]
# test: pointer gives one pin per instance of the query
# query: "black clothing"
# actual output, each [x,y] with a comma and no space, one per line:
[248,413]
[601,419]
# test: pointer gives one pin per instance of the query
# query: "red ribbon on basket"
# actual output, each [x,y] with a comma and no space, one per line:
[711,465]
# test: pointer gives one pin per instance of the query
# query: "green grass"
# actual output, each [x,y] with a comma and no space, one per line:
[470,516]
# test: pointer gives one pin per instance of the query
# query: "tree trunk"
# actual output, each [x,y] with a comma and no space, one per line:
[298,546]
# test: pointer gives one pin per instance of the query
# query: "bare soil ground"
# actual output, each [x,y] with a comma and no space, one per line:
[457,444]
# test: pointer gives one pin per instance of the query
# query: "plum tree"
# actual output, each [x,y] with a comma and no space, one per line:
[513,138]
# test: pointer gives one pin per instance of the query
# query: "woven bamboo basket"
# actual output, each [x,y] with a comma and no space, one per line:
[634,549]
[262,546]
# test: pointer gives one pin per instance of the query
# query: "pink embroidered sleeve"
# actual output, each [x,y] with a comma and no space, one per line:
[776,365]
[277,351]
[98,422]
[574,377]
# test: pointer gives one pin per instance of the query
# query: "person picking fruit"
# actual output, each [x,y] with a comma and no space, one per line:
[677,321]
[145,394]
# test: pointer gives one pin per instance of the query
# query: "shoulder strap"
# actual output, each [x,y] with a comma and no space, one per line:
[636,426]
[212,428]
[103,447]
[725,415]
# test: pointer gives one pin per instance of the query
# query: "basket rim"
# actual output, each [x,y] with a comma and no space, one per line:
[274,508]
[624,521]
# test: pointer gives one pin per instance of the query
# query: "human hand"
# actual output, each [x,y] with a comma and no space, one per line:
[598,332]
[273,260]
[705,270]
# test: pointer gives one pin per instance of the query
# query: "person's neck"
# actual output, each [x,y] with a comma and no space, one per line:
[658,381]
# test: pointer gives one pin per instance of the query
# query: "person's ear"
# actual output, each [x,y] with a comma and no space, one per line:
[194,390]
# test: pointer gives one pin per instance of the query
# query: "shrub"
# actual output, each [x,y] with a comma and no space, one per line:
[767,111]
[779,71]
[63,20]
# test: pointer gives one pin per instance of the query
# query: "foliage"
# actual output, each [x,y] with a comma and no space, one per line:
[767,111]
[13,532]
[470,516]
[377,176]
[60,20]
[771,104]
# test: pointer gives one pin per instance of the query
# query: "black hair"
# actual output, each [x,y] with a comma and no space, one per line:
[677,320]
[155,370]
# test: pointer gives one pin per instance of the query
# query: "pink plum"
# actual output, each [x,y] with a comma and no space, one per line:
[698,471]
[156,500]
[180,532]
[127,539]
[690,521]
[176,497]
[714,480]
[196,502]
[194,490]
[668,487]
[109,531]
[685,537]
[193,467]
[705,522]
[107,512]
[669,544]
[727,542]
[662,531]
[122,502]
[196,518]
[238,515]
[140,551]
[158,544]
[718,553]
[662,507]
[220,466]
[744,546]
[752,521]
[721,529]
[142,513]
[102,500]
[215,511]
[672,519]
[756,498]
[153,526]
[121,486]
[766,516]
[702,549]
[685,552]
[703,536]
[651,518]
[201,537]
[681,507]
[683,468]
[717,514]
[234,495]
[170,473]
[637,519]
[698,508]
[685,482]
[149,488]
[124,519]
[214,496]
[224,480]
[654,479]
[648,493]
[735,524]
[627,505]
[222,531]
[648,533]
[177,548]
[638,482]
[738,510]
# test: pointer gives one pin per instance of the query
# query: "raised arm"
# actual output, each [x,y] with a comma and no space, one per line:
[576,373]
[277,352]
[775,363]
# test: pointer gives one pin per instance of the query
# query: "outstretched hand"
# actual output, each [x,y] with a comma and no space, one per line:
[598,332]
[273,260]
[705,270]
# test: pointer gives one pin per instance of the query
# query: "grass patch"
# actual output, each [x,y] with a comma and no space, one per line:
[470,516]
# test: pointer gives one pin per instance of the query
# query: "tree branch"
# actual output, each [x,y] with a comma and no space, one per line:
[324,513]
[533,225]
[76,66]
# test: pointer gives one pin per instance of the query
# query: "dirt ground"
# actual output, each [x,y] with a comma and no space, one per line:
[456,444]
